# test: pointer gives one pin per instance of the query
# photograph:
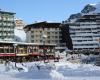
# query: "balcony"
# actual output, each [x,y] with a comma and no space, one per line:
[83,47]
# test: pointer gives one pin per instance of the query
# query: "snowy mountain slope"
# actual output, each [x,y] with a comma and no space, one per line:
[91,8]
[88,9]
[20,35]
[19,32]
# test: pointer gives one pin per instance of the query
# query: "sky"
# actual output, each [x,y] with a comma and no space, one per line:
[44,10]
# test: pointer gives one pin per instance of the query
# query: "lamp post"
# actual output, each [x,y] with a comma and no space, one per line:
[15,45]
[43,39]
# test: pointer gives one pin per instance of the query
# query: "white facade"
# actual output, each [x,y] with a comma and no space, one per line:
[85,32]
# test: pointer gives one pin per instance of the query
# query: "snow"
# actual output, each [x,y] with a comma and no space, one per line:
[93,4]
[97,6]
[56,75]
[20,34]
[62,70]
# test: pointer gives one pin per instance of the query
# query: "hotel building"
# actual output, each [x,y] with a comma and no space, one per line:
[85,32]
[52,31]
[7,26]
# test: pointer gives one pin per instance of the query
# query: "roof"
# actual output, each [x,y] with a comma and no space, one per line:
[43,25]
[24,43]
[6,12]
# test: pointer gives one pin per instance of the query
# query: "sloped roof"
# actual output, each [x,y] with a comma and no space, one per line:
[43,25]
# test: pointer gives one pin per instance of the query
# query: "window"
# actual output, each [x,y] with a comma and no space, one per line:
[48,33]
[32,41]
[56,36]
[32,36]
[48,41]
[48,37]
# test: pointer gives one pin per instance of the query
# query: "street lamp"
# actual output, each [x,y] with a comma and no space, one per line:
[43,39]
[15,45]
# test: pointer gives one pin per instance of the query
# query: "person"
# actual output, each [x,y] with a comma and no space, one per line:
[1,61]
[7,63]
[38,67]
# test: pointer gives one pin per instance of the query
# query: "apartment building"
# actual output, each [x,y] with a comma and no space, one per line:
[52,31]
[7,26]
[85,32]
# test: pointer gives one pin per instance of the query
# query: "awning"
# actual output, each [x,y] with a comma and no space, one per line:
[6,54]
[22,54]
[50,54]
[35,54]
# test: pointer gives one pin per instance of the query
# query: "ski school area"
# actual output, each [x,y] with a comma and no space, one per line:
[66,68]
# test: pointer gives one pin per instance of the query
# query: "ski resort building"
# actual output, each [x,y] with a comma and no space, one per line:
[52,32]
[30,51]
[7,26]
[85,32]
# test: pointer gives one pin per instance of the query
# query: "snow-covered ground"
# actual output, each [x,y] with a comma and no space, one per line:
[63,70]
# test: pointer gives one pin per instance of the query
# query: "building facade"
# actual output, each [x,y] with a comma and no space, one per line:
[15,51]
[52,31]
[7,26]
[85,32]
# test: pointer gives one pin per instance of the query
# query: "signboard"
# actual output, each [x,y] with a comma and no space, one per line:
[6,54]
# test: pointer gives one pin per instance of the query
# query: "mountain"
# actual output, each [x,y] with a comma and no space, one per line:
[91,8]
[20,35]
[74,16]
[88,9]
